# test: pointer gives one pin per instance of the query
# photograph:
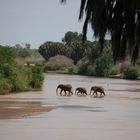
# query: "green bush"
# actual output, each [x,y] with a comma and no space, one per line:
[5,86]
[73,70]
[91,70]
[115,70]
[6,70]
[103,65]
[20,79]
[37,77]
[17,84]
[82,66]
[130,73]
[17,76]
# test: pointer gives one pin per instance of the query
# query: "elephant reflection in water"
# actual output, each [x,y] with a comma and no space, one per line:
[96,89]
[67,88]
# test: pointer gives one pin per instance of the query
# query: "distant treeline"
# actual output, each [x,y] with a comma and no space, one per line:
[88,58]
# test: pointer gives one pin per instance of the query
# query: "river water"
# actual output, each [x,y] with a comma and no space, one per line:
[115,116]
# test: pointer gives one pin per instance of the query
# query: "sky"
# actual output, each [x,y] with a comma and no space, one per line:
[38,21]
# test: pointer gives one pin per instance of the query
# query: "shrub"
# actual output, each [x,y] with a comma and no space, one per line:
[124,65]
[115,70]
[82,66]
[37,77]
[91,70]
[103,65]
[17,84]
[5,86]
[6,70]
[20,79]
[16,76]
[73,70]
[130,73]
[58,62]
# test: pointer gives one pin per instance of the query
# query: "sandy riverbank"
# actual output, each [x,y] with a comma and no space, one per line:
[20,112]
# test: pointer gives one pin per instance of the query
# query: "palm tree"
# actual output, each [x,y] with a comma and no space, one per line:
[119,18]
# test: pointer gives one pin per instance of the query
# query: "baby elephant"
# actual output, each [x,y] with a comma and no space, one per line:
[81,90]
[66,88]
[97,89]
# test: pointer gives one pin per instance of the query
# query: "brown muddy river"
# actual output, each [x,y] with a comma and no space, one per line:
[43,115]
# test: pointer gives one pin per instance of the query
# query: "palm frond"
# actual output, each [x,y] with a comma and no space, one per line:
[120,17]
[83,2]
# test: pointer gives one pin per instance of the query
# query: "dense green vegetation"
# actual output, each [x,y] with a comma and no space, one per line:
[131,73]
[87,59]
[15,76]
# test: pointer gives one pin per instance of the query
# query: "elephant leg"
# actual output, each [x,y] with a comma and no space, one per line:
[90,92]
[65,92]
[61,91]
[78,92]
[103,93]
[69,93]
[95,92]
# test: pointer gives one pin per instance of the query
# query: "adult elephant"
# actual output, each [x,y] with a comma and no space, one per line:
[95,89]
[66,88]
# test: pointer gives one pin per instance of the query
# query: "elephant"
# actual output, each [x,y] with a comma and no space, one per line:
[81,90]
[97,89]
[65,88]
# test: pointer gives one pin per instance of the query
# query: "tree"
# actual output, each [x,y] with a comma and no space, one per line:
[77,51]
[120,18]
[73,41]
[71,37]
[27,45]
[50,49]
[24,52]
